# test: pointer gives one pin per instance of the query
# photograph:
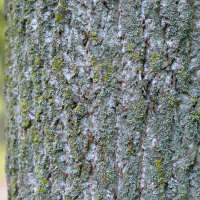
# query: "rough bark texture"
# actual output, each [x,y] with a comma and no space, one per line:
[103,99]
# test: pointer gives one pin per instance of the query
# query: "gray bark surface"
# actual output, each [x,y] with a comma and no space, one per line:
[102,99]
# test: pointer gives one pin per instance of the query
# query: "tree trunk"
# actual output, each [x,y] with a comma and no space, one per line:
[102,99]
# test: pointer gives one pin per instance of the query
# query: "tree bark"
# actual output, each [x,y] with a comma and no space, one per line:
[102,99]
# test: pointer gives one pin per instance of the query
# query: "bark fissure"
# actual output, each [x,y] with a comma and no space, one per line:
[116,109]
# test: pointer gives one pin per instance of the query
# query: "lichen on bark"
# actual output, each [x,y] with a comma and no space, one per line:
[102,99]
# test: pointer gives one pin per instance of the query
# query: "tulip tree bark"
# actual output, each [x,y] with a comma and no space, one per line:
[102,99]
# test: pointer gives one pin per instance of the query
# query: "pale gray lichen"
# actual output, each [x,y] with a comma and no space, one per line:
[102,99]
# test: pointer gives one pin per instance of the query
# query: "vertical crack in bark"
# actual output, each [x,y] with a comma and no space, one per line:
[143,148]
[191,168]
[146,96]
[90,110]
[119,35]
[91,140]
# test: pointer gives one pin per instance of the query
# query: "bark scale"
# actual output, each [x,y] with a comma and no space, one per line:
[102,99]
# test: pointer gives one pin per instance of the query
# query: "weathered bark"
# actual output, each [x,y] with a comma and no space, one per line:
[103,99]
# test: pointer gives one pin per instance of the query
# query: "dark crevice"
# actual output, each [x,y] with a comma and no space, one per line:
[75,104]
[52,14]
[177,87]
[91,81]
[24,27]
[85,41]
[145,93]
[106,5]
